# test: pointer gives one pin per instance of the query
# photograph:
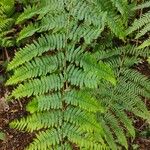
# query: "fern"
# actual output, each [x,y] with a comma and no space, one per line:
[65,69]
[6,22]
[142,25]
[55,72]
[125,96]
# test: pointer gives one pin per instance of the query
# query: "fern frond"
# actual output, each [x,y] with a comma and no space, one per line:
[89,64]
[124,119]
[53,21]
[143,5]
[116,26]
[126,95]
[5,23]
[80,78]
[108,135]
[79,117]
[45,103]
[83,100]
[39,121]
[37,67]
[121,5]
[146,43]
[71,85]
[7,7]
[42,141]
[35,86]
[29,12]
[137,78]
[143,31]
[139,23]
[27,32]
[44,44]
[113,122]
[94,16]
[76,135]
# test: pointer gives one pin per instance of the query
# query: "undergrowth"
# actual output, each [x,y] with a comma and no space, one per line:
[75,62]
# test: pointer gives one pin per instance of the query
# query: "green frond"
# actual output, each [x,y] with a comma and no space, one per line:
[108,135]
[80,78]
[89,63]
[137,77]
[124,119]
[85,141]
[146,43]
[121,5]
[139,23]
[45,103]
[39,121]
[37,48]
[126,95]
[5,23]
[141,6]
[83,100]
[91,13]
[89,33]
[46,140]
[116,26]
[37,67]
[138,52]
[53,21]
[27,32]
[87,121]
[7,7]
[113,124]
[28,13]
[6,41]
[143,31]
[38,86]
[80,85]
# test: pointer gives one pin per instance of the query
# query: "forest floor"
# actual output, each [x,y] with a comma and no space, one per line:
[16,140]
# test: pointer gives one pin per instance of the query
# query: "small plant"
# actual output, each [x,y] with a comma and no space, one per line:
[2,136]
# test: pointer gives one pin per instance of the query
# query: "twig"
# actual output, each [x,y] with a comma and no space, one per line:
[6,54]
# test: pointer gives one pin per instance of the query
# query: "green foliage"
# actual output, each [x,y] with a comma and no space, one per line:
[125,96]
[142,25]
[80,85]
[56,72]
[2,136]
[6,22]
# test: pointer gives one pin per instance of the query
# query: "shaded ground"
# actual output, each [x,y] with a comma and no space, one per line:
[15,140]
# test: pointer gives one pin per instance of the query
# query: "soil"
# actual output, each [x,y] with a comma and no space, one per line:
[15,140]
